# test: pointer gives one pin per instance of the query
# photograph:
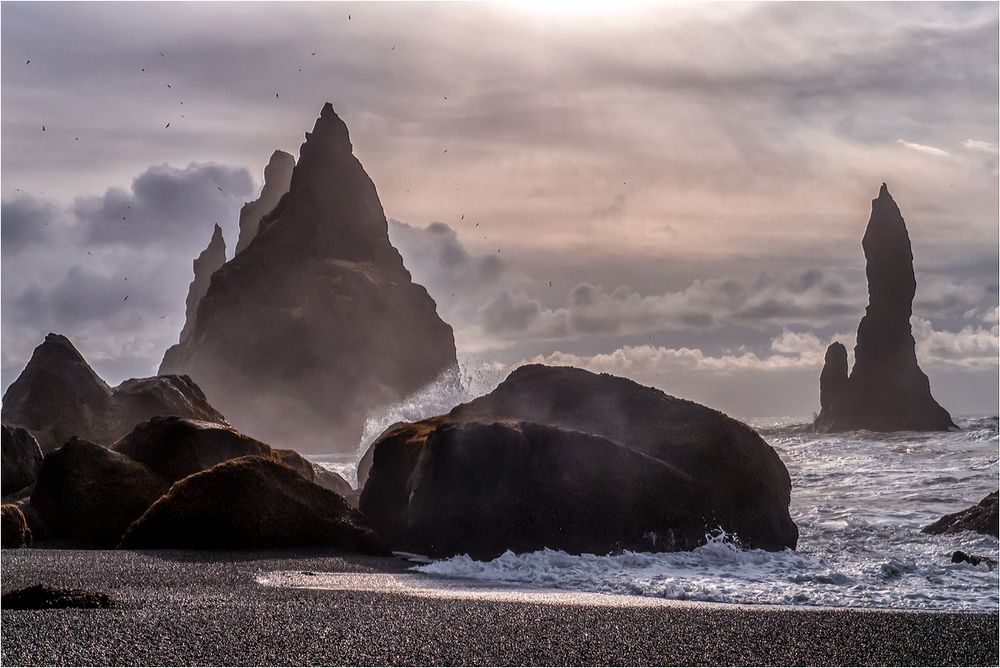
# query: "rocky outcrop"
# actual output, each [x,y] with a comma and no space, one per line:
[981,518]
[14,531]
[250,503]
[886,390]
[562,458]
[277,180]
[316,323]
[315,473]
[206,264]
[21,459]
[58,396]
[42,597]
[174,447]
[89,495]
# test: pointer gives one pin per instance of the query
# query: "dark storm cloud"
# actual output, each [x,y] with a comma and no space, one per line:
[165,205]
[25,221]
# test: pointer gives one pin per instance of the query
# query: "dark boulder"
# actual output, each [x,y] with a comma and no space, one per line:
[14,531]
[562,458]
[250,503]
[316,323]
[41,597]
[21,459]
[315,473]
[58,396]
[886,390]
[88,494]
[176,447]
[981,518]
[959,557]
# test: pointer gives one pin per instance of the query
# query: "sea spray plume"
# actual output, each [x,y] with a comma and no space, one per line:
[886,390]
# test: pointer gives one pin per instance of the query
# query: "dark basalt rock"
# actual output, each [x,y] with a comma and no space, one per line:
[562,458]
[315,473]
[961,557]
[174,447]
[206,264]
[14,531]
[58,396]
[41,597]
[981,518]
[250,503]
[277,180]
[21,459]
[886,390]
[316,323]
[89,495]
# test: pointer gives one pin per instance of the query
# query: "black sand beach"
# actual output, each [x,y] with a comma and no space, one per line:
[209,608]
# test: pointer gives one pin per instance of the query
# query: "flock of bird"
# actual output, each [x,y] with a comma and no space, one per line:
[163,56]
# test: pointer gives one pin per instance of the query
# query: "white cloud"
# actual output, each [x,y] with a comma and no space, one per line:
[923,148]
[980,146]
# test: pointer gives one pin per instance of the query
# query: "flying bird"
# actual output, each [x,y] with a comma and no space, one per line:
[463,217]
[89,253]
[348,17]
[166,126]
[550,284]
[162,56]
[126,297]
[392,49]
[275,96]
[76,139]
[219,187]
[28,63]
[477,224]
[445,151]
[142,69]
[313,53]
[168,85]
[43,128]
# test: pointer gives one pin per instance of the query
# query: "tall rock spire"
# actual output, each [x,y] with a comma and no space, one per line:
[886,390]
[277,179]
[316,324]
[206,264]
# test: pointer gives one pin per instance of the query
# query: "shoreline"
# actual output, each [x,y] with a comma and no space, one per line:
[180,607]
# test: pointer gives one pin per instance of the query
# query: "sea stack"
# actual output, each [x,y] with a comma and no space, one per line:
[316,323]
[277,180]
[206,264]
[886,390]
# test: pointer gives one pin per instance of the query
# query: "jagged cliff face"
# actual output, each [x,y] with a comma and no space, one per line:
[206,264]
[886,390]
[316,323]
[277,180]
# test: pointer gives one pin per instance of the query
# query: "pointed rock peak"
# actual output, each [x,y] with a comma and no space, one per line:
[329,136]
[57,346]
[217,237]
[884,192]
[279,164]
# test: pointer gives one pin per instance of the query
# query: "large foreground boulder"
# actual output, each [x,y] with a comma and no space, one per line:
[88,494]
[886,390]
[58,396]
[981,518]
[250,503]
[176,447]
[315,323]
[14,531]
[21,459]
[562,458]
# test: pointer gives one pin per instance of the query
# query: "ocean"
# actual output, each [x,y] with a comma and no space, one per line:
[859,500]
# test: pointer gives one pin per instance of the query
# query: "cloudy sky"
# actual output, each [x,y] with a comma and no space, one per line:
[672,192]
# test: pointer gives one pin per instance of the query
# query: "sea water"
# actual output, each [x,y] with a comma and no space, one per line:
[859,500]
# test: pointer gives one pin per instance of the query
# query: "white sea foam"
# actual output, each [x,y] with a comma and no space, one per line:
[859,501]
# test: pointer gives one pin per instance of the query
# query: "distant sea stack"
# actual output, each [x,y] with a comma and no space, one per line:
[886,390]
[206,264]
[315,323]
[277,180]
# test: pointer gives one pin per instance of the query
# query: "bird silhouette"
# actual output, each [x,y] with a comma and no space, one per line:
[166,126]
[168,85]
[126,297]
[43,128]
[463,217]
[28,63]
[219,187]
[162,56]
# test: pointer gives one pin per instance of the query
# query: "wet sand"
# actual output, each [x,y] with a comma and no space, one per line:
[231,609]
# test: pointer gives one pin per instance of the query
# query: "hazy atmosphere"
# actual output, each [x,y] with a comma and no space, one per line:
[673,193]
